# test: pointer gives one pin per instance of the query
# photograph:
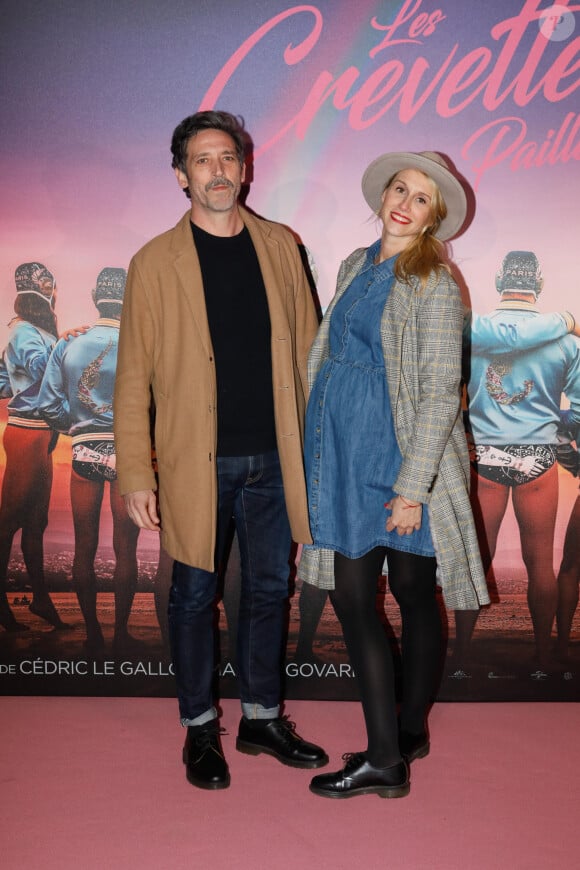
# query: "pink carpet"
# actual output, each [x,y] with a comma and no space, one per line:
[98,783]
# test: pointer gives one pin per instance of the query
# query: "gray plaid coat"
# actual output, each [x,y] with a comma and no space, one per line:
[421,334]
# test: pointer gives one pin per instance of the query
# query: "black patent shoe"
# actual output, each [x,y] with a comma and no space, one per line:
[205,765]
[358,776]
[413,746]
[278,737]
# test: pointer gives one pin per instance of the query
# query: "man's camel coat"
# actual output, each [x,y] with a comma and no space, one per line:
[165,354]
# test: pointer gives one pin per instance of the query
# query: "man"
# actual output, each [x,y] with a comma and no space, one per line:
[521,364]
[76,398]
[217,323]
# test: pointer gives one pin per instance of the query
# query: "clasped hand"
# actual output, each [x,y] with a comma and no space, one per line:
[403,518]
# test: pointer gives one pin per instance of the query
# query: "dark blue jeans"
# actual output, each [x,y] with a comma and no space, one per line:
[249,490]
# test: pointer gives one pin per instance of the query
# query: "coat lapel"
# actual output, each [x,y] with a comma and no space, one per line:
[188,272]
[268,253]
[320,347]
[393,322]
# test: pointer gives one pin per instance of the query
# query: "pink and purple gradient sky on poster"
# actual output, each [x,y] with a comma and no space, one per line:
[92,93]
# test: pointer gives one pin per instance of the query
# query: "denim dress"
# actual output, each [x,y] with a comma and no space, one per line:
[351,454]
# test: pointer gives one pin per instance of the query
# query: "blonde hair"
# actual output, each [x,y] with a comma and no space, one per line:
[426,253]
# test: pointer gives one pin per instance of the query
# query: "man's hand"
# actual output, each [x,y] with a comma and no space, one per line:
[142,508]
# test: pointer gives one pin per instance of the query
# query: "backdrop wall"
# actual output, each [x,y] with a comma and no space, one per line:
[91,93]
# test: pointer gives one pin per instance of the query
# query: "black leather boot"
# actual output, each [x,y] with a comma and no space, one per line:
[358,776]
[205,765]
[278,737]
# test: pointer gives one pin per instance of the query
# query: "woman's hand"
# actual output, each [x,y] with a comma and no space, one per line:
[74,332]
[527,465]
[405,515]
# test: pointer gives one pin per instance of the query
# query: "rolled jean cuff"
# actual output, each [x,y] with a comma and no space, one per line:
[256,711]
[201,720]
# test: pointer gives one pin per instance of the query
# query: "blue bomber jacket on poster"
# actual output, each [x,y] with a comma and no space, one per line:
[24,362]
[520,363]
[77,390]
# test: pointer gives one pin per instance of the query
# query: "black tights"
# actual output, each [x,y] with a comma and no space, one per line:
[412,582]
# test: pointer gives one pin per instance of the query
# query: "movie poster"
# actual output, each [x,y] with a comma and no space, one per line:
[91,94]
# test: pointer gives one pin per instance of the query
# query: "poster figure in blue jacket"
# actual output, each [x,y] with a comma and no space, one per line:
[76,398]
[28,440]
[520,363]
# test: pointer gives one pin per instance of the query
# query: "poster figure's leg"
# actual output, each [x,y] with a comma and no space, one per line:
[535,506]
[86,499]
[8,529]
[489,502]
[568,580]
[310,606]
[465,622]
[7,619]
[125,536]
[162,585]
[25,498]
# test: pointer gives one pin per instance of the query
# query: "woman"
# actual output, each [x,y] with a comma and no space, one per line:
[28,441]
[387,463]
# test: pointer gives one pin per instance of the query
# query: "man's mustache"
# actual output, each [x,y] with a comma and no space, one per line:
[219,182]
